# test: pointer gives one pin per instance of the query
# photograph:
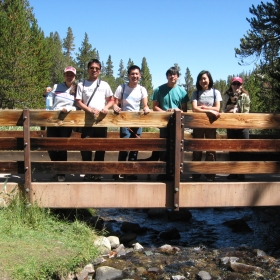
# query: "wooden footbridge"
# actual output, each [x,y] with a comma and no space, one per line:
[141,193]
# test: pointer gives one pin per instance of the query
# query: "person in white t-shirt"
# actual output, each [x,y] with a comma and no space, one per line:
[63,100]
[95,97]
[128,97]
[205,99]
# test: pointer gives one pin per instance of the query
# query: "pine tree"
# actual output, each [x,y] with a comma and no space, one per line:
[129,63]
[68,45]
[121,74]
[58,59]
[176,65]
[109,72]
[86,53]
[24,56]
[189,86]
[146,78]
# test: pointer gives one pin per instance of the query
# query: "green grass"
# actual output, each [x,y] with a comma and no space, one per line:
[36,245]
[19,128]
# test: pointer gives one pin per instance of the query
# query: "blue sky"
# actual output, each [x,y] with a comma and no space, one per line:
[198,34]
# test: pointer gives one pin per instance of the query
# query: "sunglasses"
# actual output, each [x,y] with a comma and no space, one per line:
[236,84]
[94,68]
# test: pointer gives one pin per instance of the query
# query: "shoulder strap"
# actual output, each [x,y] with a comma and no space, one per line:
[123,87]
[98,83]
[214,93]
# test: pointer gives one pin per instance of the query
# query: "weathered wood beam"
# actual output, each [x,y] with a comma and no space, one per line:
[230,194]
[81,118]
[252,120]
[155,194]
[93,144]
[244,145]
[231,167]
[99,167]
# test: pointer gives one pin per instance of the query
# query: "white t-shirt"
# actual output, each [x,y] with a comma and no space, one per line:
[206,97]
[130,98]
[98,101]
[62,98]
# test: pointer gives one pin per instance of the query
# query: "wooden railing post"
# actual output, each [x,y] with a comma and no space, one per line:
[26,145]
[176,150]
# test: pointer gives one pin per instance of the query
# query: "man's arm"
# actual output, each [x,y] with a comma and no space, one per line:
[83,106]
[146,108]
[156,106]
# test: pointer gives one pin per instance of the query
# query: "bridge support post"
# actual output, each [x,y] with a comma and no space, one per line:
[26,146]
[176,150]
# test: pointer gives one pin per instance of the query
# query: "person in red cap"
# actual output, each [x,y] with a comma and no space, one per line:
[236,100]
[63,100]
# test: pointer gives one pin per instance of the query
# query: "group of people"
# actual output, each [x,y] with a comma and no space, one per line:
[95,96]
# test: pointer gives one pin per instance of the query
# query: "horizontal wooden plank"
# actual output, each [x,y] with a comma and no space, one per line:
[13,167]
[249,145]
[157,195]
[93,144]
[11,143]
[99,167]
[81,118]
[100,195]
[11,118]
[226,120]
[231,167]
[229,194]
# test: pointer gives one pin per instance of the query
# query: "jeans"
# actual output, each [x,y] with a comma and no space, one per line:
[125,132]
[93,132]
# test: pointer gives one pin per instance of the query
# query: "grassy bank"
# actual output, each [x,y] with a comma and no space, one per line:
[34,244]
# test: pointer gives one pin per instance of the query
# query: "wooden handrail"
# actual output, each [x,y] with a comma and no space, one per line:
[176,144]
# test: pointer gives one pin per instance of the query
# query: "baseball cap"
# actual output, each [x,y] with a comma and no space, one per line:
[70,69]
[237,79]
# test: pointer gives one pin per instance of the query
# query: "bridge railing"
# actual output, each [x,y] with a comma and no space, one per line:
[173,194]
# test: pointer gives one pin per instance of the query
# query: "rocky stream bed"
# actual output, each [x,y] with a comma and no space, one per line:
[212,243]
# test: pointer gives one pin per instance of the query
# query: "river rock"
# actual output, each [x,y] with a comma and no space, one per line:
[157,212]
[106,272]
[178,277]
[244,268]
[168,249]
[238,225]
[86,272]
[182,215]
[126,238]
[103,245]
[131,227]
[204,275]
[169,234]
[114,241]
[138,247]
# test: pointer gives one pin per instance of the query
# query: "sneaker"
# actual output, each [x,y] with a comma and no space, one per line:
[232,176]
[97,177]
[88,177]
[131,177]
[60,178]
[122,176]
[241,177]
[210,178]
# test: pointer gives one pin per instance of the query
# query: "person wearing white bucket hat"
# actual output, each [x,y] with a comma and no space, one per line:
[63,100]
